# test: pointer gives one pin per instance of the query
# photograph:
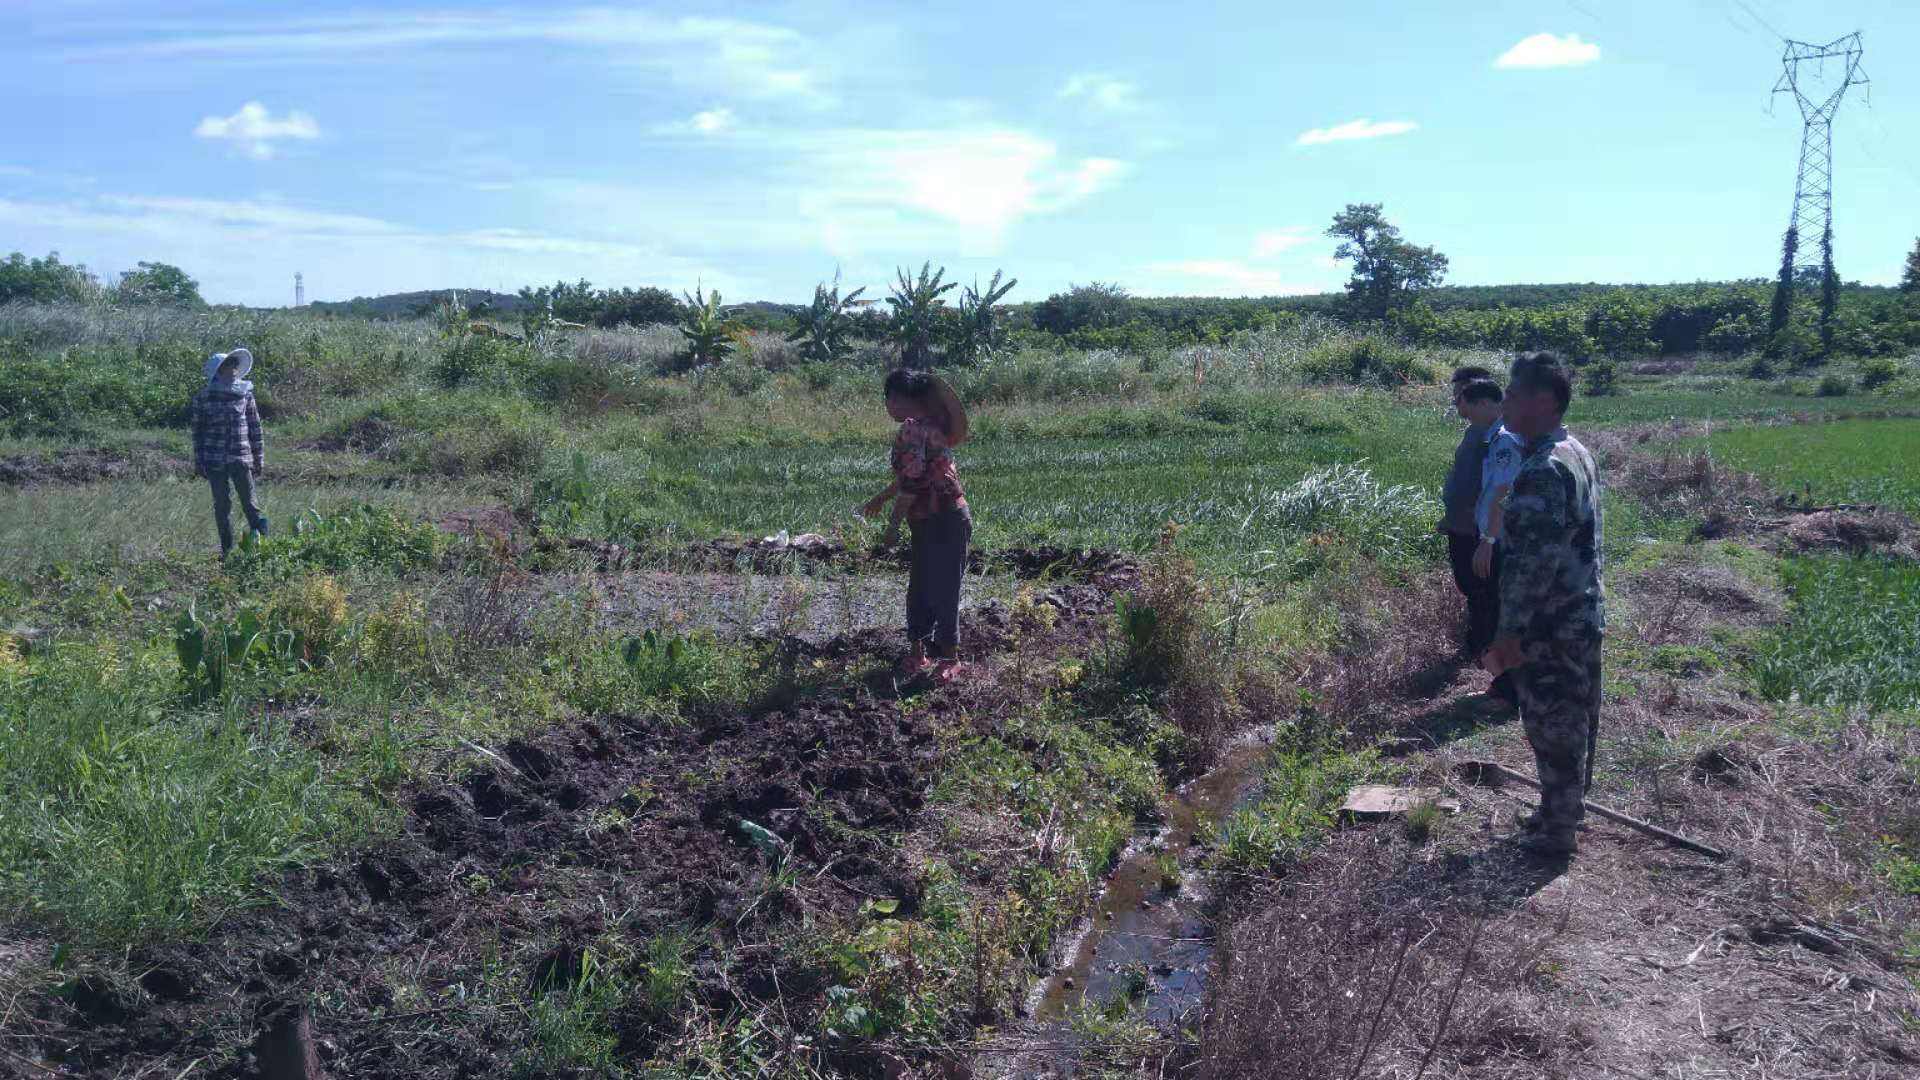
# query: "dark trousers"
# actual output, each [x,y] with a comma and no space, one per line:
[240,478]
[1559,698]
[1483,600]
[933,585]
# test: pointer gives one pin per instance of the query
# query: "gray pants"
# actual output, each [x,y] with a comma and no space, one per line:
[241,479]
[933,586]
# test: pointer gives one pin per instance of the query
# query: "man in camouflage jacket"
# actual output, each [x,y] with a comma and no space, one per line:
[1551,610]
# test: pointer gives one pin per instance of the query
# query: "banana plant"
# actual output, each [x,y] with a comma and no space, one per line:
[709,334]
[919,312]
[824,330]
[979,333]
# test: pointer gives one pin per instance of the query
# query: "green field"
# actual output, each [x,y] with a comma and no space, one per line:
[181,738]
[1842,462]
[1852,635]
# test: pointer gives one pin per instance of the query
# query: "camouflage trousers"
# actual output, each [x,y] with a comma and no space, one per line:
[1559,699]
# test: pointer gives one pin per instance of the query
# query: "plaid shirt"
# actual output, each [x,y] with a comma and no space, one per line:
[226,429]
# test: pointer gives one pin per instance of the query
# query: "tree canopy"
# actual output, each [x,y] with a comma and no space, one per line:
[158,283]
[1387,270]
[46,280]
[1910,281]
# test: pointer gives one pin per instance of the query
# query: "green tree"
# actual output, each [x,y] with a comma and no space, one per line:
[645,306]
[158,283]
[1096,306]
[45,281]
[709,335]
[574,303]
[824,330]
[978,333]
[1909,281]
[1387,270]
[918,313]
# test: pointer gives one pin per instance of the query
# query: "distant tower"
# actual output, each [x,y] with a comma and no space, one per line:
[299,290]
[1818,94]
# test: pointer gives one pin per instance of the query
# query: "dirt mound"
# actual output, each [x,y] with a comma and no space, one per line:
[367,435]
[1105,569]
[1855,531]
[1676,601]
[87,465]
[480,520]
[623,826]
[617,829]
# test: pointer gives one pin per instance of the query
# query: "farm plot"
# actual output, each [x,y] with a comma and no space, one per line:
[1846,461]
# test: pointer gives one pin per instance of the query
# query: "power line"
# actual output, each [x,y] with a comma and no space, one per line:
[1813,183]
[1755,16]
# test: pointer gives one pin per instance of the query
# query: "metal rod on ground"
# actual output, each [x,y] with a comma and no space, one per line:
[1479,770]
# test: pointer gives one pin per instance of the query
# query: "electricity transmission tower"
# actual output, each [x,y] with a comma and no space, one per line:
[1818,93]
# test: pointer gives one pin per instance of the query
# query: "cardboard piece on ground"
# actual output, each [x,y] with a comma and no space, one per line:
[1370,802]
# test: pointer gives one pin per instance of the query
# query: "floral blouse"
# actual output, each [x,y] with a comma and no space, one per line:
[923,464]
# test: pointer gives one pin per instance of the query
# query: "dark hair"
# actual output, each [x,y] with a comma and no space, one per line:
[1481,390]
[1472,373]
[909,383]
[1543,371]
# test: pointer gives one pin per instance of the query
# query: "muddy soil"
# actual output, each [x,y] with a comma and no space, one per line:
[87,466]
[421,952]
[812,553]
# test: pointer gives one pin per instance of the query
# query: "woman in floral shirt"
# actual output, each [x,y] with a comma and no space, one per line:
[926,492]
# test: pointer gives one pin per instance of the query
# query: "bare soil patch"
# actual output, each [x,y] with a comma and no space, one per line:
[1461,956]
[420,954]
[88,465]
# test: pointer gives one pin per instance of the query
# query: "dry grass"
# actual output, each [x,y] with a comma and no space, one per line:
[1795,958]
[1670,482]
[1398,646]
[1379,962]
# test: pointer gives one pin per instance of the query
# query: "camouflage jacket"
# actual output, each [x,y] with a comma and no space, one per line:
[1550,574]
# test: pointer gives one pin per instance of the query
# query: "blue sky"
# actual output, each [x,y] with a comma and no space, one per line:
[1176,149]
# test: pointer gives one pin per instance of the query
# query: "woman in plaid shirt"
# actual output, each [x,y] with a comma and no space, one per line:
[227,445]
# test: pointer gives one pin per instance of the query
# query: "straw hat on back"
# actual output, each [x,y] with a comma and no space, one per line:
[956,413]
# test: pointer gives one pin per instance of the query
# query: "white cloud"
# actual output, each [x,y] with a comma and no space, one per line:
[1355,129]
[1225,277]
[712,121]
[871,188]
[1275,241]
[1549,51]
[254,129]
[757,60]
[1104,91]
[277,216]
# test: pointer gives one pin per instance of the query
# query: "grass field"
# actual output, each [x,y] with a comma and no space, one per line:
[1842,462]
[918,853]
[1852,635]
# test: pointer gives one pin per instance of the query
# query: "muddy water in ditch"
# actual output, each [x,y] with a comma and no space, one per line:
[1149,923]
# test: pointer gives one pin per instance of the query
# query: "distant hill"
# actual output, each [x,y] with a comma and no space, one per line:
[413,305]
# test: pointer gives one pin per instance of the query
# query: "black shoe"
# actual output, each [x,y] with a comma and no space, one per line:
[1545,843]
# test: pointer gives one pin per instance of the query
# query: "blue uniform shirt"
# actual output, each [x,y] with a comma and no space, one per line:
[1505,453]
